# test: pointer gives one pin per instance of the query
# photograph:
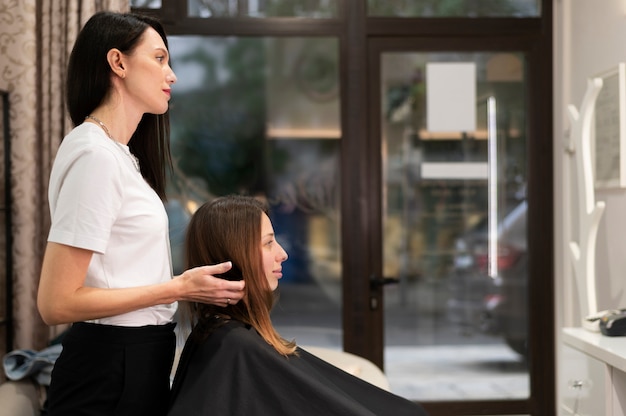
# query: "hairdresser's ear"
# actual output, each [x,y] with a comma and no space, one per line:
[116,61]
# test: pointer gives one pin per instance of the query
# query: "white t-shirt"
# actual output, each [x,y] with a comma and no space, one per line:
[100,202]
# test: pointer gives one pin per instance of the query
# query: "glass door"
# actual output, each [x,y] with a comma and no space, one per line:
[453,148]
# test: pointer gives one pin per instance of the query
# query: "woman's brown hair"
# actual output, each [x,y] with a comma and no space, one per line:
[229,229]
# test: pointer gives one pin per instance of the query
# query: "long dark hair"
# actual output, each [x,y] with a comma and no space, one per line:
[88,82]
[229,228]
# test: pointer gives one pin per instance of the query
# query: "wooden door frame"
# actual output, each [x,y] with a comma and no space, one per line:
[541,366]
[364,39]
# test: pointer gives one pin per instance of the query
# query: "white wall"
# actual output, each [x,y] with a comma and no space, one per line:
[590,37]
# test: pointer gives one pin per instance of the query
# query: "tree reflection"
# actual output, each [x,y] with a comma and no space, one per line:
[453,8]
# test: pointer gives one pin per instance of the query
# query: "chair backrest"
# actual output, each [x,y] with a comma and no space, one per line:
[353,364]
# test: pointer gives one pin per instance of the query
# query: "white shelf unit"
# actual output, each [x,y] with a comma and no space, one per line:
[593,374]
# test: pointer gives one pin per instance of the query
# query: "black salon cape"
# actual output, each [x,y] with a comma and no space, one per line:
[236,373]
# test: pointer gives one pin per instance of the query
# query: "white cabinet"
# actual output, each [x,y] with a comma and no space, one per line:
[592,374]
[583,384]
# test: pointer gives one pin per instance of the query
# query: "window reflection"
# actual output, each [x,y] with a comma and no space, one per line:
[319,9]
[146,4]
[436,229]
[260,116]
[327,9]
[462,8]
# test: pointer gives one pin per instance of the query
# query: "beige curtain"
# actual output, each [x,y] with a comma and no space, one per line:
[36,37]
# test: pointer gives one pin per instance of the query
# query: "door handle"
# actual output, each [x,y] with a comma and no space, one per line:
[377,282]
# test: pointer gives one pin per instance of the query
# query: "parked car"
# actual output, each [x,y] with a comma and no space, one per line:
[492,304]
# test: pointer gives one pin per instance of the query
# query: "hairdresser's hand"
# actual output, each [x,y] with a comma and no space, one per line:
[200,285]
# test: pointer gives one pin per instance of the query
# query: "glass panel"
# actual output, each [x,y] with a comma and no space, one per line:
[452,198]
[260,116]
[146,4]
[318,9]
[454,8]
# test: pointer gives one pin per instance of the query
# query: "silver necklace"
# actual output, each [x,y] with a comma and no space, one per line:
[125,150]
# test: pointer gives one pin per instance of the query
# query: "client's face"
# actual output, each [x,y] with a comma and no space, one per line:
[272,252]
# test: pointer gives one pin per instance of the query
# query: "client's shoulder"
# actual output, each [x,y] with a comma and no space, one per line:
[236,334]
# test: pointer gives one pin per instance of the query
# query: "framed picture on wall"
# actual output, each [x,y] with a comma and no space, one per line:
[610,130]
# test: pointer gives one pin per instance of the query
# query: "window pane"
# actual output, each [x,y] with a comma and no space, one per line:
[146,4]
[319,9]
[260,116]
[454,8]
[454,226]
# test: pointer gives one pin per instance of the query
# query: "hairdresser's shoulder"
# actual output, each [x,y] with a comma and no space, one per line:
[86,138]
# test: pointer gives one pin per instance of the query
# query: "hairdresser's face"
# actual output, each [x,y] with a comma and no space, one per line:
[272,252]
[148,74]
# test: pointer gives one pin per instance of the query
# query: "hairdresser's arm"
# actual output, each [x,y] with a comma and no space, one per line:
[63,298]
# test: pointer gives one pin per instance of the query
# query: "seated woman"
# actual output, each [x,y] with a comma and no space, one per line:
[234,362]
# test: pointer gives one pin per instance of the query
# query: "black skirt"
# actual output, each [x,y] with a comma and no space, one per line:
[112,370]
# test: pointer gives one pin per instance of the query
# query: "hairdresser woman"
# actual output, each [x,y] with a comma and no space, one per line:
[107,267]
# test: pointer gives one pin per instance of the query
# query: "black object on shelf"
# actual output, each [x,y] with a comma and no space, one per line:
[613,323]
